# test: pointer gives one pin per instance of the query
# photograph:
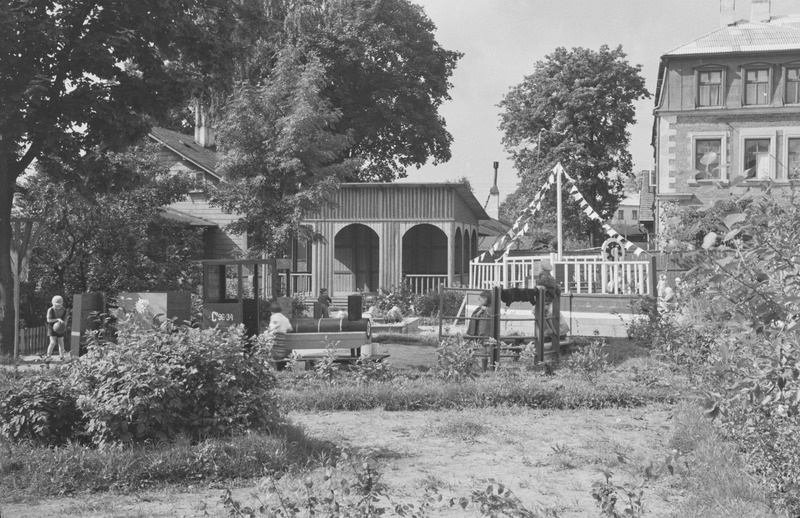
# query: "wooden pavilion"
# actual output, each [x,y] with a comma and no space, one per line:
[380,234]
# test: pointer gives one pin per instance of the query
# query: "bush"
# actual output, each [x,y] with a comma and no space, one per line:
[455,359]
[42,410]
[590,362]
[400,296]
[158,383]
[427,305]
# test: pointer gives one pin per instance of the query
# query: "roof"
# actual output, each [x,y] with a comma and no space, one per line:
[186,148]
[492,227]
[647,201]
[631,199]
[779,34]
[462,189]
[171,214]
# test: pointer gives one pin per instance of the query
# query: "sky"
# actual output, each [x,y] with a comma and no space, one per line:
[503,39]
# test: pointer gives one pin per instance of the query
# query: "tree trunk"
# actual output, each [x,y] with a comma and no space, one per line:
[7,317]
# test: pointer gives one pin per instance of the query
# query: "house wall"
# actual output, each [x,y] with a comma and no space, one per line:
[679,122]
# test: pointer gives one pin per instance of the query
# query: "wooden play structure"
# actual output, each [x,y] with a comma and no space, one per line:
[547,344]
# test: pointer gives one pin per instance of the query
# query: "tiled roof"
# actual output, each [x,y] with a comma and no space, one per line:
[782,33]
[185,146]
[172,214]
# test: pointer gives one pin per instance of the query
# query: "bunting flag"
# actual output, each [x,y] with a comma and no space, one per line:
[523,223]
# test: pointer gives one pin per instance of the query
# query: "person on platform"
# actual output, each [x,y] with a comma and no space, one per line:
[550,285]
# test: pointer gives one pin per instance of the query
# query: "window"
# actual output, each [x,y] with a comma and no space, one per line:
[756,158]
[793,85]
[756,87]
[620,214]
[707,153]
[709,88]
[635,215]
[793,161]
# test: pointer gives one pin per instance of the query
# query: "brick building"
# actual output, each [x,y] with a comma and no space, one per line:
[727,115]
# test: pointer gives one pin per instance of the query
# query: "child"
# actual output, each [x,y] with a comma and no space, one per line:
[324,302]
[480,323]
[57,326]
[278,323]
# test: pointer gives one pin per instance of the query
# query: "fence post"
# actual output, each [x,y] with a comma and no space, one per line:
[441,309]
[496,305]
[653,277]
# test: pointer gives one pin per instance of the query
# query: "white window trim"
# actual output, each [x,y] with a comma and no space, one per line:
[770,83]
[784,165]
[752,134]
[723,159]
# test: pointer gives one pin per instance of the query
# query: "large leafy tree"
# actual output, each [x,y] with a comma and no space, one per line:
[280,155]
[113,240]
[77,74]
[575,108]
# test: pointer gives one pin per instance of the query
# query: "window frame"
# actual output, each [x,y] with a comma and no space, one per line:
[785,67]
[723,82]
[723,158]
[620,214]
[634,215]
[752,67]
[787,136]
[755,134]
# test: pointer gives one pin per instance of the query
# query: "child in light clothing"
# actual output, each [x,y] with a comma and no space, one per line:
[278,323]
[56,326]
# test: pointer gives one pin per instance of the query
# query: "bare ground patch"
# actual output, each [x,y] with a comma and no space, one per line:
[549,459]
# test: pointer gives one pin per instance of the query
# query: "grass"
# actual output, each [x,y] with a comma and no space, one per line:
[406,339]
[716,480]
[30,470]
[562,392]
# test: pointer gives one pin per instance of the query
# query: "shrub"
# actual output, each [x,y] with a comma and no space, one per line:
[400,296]
[455,360]
[157,383]
[427,305]
[589,361]
[43,410]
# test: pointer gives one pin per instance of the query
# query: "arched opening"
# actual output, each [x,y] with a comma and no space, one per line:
[355,259]
[474,253]
[466,257]
[458,254]
[424,257]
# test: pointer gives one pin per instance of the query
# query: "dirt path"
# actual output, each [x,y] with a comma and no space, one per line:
[549,459]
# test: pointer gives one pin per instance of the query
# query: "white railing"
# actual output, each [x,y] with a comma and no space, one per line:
[301,284]
[577,274]
[423,283]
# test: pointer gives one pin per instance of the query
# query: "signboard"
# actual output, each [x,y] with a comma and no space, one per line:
[222,314]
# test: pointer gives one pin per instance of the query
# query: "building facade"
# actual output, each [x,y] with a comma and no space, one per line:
[727,115]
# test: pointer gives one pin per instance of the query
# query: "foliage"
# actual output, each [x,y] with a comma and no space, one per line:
[575,109]
[82,76]
[108,241]
[590,361]
[368,371]
[41,410]
[31,471]
[280,153]
[455,359]
[427,304]
[607,495]
[388,76]
[401,296]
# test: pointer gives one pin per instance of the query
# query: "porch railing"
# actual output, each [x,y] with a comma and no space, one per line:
[424,283]
[301,284]
[576,274]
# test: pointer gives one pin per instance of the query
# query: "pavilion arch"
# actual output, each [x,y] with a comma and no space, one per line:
[355,259]
[425,250]
[466,257]
[474,252]
[458,254]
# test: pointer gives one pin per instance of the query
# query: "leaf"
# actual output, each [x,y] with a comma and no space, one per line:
[709,240]
[733,219]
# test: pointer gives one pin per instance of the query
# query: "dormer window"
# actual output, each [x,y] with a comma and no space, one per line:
[709,88]
[756,87]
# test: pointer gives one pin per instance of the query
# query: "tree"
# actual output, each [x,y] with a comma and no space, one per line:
[79,73]
[109,241]
[280,156]
[575,109]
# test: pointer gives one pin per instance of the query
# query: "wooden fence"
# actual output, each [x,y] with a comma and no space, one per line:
[34,341]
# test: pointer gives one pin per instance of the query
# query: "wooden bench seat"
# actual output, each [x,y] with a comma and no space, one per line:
[347,344]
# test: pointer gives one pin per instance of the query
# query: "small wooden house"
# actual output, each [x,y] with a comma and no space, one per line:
[380,234]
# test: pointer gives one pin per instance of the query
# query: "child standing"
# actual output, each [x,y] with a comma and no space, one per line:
[57,326]
[480,323]
[324,302]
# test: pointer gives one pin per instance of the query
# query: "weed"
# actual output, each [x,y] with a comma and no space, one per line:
[590,362]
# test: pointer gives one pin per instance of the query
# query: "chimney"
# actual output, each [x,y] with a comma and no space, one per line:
[203,132]
[727,12]
[760,11]
[493,204]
